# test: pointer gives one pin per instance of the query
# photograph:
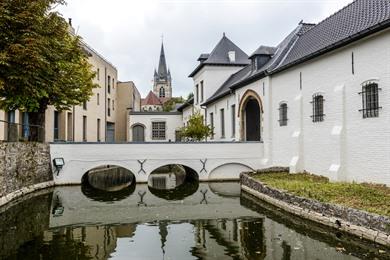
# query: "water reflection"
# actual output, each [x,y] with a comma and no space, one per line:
[209,224]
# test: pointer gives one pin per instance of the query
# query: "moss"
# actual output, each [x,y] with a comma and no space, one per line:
[370,197]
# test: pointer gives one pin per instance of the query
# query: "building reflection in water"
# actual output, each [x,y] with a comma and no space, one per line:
[205,221]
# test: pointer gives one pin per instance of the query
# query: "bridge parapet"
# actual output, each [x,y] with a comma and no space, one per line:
[211,161]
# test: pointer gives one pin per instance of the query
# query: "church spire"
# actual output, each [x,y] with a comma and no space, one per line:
[162,65]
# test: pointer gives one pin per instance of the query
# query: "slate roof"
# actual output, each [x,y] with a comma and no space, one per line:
[355,21]
[219,56]
[162,64]
[264,50]
[151,99]
[246,75]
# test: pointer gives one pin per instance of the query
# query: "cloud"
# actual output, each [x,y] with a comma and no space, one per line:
[128,33]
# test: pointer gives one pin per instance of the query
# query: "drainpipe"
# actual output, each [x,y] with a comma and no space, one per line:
[73,126]
[105,104]
[205,116]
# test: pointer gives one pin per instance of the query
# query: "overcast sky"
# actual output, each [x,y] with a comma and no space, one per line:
[128,33]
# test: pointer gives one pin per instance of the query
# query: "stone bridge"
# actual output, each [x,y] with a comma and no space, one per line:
[211,161]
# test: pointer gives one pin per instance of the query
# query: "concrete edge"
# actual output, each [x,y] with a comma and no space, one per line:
[376,236]
[23,191]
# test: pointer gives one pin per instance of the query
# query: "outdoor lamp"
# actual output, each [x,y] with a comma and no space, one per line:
[58,164]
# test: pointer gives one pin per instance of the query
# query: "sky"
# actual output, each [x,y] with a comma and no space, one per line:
[128,33]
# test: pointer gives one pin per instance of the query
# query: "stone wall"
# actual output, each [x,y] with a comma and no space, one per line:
[23,165]
[366,225]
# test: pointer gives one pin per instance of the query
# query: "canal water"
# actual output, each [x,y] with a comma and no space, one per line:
[191,221]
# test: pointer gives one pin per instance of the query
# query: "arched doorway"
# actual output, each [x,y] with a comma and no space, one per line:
[251,110]
[138,133]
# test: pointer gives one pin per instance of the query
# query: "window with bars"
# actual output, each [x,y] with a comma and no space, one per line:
[318,108]
[283,114]
[370,100]
[158,130]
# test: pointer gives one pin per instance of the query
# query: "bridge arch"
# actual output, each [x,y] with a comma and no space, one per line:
[109,178]
[228,171]
[189,167]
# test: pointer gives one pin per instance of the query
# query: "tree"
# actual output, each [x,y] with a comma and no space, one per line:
[190,95]
[170,104]
[196,130]
[41,62]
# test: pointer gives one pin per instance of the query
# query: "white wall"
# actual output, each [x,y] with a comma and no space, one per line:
[344,146]
[173,122]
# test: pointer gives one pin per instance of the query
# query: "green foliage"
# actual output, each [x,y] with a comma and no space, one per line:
[196,130]
[370,197]
[41,62]
[190,95]
[170,104]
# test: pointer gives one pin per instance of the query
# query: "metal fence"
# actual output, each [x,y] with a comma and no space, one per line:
[15,132]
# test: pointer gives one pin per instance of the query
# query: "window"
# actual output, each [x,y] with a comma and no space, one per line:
[318,108]
[158,130]
[201,91]
[98,74]
[113,83]
[222,113]
[370,100]
[98,130]
[85,105]
[56,125]
[233,107]
[283,114]
[108,107]
[212,124]
[84,128]
[113,105]
[98,99]
[196,94]
[162,92]
[109,84]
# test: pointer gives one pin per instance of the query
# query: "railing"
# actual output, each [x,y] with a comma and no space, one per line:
[15,132]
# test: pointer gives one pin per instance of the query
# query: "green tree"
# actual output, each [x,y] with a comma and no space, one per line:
[196,130]
[170,104]
[190,95]
[41,62]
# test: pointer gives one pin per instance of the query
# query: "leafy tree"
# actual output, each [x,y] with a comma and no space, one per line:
[190,95]
[196,130]
[41,62]
[170,104]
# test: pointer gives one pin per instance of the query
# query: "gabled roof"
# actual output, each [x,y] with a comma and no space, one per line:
[219,56]
[151,99]
[353,22]
[247,75]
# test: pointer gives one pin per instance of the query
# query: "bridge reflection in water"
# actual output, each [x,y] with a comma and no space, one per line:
[212,222]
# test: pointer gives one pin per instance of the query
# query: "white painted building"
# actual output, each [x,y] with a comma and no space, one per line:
[319,101]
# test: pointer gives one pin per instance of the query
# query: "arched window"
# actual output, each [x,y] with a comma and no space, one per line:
[283,114]
[162,92]
[318,108]
[370,99]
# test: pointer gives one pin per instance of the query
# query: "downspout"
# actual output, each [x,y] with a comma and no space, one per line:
[205,115]
[105,104]
[73,126]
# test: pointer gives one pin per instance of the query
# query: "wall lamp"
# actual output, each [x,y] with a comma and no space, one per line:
[58,164]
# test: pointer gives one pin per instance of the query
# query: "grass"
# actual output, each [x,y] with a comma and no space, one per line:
[369,197]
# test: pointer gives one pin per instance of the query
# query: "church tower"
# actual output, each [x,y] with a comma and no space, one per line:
[162,81]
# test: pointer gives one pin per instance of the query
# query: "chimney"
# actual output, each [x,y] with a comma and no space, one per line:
[232,56]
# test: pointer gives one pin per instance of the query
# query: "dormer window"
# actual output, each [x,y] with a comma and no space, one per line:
[232,56]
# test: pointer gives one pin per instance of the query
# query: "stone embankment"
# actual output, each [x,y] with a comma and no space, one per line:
[365,225]
[24,168]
